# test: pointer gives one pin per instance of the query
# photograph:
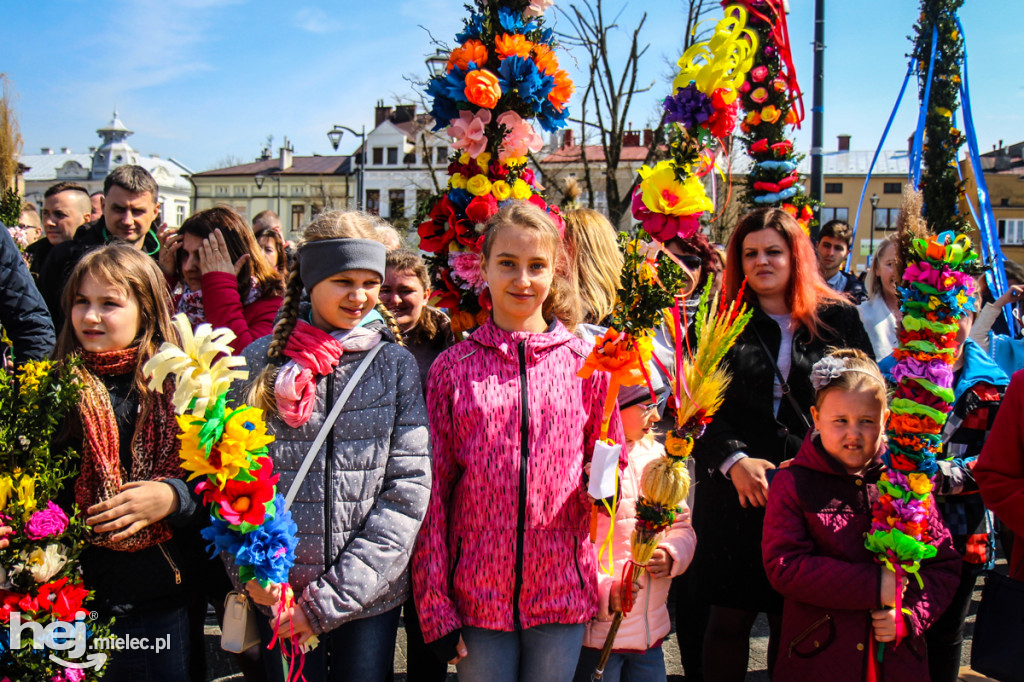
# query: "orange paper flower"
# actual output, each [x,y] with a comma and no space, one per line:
[509,44]
[470,51]
[482,88]
[770,114]
[562,91]
[617,354]
[545,58]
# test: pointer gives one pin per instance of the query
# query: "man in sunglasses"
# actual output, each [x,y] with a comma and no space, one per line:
[834,242]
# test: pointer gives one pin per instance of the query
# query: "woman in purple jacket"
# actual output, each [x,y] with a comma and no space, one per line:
[837,598]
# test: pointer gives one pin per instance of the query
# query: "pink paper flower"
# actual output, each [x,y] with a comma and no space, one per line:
[537,8]
[759,73]
[470,132]
[466,270]
[520,137]
[49,522]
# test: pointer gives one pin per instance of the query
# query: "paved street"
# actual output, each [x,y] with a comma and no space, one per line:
[758,669]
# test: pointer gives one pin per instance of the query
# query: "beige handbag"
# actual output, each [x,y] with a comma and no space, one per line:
[238,633]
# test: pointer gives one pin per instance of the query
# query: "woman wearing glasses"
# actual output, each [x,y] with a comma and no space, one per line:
[762,422]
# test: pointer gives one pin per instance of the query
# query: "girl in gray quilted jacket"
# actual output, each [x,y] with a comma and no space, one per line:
[359,507]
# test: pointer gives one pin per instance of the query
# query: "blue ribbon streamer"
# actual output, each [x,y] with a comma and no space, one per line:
[874,159]
[991,248]
[917,153]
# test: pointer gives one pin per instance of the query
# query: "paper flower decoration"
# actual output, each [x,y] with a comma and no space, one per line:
[203,366]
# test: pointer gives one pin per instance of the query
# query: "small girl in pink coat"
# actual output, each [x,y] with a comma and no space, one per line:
[637,654]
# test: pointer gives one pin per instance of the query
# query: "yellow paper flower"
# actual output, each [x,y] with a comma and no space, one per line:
[920,483]
[501,190]
[464,158]
[482,160]
[723,61]
[457,181]
[6,488]
[27,493]
[204,366]
[770,114]
[662,193]
[247,427]
[479,185]
[225,461]
[521,190]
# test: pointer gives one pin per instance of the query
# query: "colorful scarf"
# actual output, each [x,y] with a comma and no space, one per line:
[313,353]
[154,445]
[191,302]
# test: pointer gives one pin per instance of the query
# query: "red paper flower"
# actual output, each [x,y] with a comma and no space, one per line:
[481,209]
[243,501]
[435,234]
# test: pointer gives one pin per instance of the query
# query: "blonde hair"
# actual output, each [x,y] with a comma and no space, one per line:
[326,225]
[861,373]
[872,282]
[136,275]
[561,303]
[595,262]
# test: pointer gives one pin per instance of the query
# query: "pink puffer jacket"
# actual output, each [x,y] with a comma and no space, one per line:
[505,543]
[647,624]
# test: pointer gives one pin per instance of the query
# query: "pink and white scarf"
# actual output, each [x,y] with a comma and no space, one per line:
[313,353]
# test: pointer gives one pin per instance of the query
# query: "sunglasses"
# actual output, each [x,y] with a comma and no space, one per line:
[690,261]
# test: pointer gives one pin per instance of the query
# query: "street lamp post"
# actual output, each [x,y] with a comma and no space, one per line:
[871,244]
[260,178]
[335,135]
[437,62]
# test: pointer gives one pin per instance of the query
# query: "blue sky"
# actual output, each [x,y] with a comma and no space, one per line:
[202,79]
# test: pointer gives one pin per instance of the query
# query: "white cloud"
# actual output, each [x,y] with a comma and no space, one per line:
[315,20]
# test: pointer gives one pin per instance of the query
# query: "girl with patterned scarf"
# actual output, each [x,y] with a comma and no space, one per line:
[130,486]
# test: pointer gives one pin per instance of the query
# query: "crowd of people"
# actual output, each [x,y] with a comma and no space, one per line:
[450,491]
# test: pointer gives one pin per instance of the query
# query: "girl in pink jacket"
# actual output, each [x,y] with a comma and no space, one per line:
[504,573]
[636,654]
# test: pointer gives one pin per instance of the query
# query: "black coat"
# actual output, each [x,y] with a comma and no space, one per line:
[65,256]
[729,551]
[22,310]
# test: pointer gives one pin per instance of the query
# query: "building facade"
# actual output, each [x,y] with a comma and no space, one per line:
[295,187]
[90,169]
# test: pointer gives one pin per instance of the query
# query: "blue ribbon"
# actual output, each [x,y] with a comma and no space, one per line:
[917,153]
[874,159]
[991,249]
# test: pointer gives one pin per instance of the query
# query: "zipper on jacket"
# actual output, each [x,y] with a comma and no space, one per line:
[576,562]
[524,456]
[177,573]
[455,567]
[328,493]
[329,477]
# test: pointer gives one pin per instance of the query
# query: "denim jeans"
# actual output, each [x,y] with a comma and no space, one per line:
[646,667]
[170,664]
[361,650]
[546,653]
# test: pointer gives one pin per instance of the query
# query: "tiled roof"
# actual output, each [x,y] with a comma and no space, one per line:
[301,165]
[595,152]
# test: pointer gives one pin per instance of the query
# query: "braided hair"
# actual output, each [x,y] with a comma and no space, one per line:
[326,225]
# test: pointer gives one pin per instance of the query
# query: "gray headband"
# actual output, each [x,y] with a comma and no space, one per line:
[320,259]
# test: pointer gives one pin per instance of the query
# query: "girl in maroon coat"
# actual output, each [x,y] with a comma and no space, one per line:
[836,596]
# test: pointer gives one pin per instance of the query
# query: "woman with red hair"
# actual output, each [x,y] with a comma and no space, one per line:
[771,263]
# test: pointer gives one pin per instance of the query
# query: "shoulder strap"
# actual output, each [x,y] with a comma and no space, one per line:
[782,380]
[328,424]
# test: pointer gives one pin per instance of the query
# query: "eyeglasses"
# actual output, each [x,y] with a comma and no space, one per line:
[650,410]
[690,261]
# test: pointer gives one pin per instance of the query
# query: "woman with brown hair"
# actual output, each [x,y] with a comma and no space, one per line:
[426,331]
[225,276]
[272,244]
[762,422]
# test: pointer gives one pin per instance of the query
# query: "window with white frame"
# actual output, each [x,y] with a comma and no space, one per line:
[833,213]
[1011,231]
